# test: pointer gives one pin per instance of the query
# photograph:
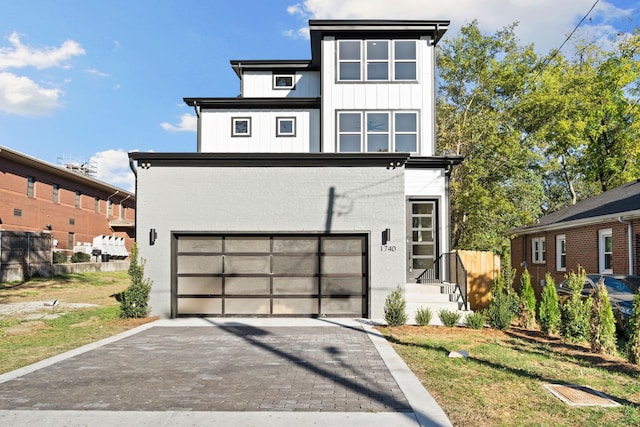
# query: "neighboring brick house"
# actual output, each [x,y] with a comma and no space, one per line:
[315,192]
[601,234]
[37,196]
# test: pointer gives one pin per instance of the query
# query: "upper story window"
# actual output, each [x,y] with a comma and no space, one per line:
[78,195]
[377,131]
[96,204]
[538,250]
[240,126]
[285,126]
[384,60]
[109,208]
[283,81]
[55,197]
[31,187]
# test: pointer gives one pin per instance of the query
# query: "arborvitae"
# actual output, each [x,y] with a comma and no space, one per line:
[527,306]
[603,325]
[549,309]
[135,299]
[574,325]
[395,308]
[633,333]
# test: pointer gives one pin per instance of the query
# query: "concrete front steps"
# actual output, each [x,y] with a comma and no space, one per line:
[436,297]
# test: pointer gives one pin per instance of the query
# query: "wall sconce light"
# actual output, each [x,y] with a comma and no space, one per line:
[386,235]
[153,235]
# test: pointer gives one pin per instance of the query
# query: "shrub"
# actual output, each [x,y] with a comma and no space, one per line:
[423,316]
[80,257]
[504,301]
[476,320]
[602,323]
[574,313]
[135,299]
[549,309]
[59,257]
[449,318]
[527,303]
[633,333]
[395,308]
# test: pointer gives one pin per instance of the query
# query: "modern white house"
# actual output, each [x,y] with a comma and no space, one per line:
[316,192]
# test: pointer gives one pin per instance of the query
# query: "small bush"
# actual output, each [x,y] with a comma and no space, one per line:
[59,258]
[503,307]
[602,323]
[423,316]
[135,299]
[574,313]
[449,318]
[395,308]
[633,333]
[80,257]
[476,320]
[549,309]
[527,303]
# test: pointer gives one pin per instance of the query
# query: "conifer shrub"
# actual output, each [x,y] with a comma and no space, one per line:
[59,257]
[423,316]
[80,257]
[527,303]
[602,335]
[574,313]
[476,320]
[503,307]
[395,308]
[134,301]
[633,333]
[449,318]
[549,309]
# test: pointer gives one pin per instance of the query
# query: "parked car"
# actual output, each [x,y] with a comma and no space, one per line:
[621,289]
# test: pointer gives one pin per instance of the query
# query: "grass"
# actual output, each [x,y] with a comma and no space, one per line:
[501,383]
[26,338]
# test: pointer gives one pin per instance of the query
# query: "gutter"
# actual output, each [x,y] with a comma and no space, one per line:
[630,242]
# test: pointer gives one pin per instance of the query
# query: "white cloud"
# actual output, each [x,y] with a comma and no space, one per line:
[19,55]
[96,72]
[113,168]
[20,95]
[188,123]
[546,23]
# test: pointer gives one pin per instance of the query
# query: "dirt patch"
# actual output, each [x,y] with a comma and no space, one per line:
[39,309]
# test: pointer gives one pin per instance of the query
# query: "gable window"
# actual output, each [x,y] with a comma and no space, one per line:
[78,194]
[561,253]
[285,126]
[55,197]
[31,186]
[538,250]
[240,126]
[605,250]
[283,81]
[384,60]
[377,131]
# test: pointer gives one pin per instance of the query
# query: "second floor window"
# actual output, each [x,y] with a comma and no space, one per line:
[377,131]
[56,193]
[96,204]
[377,60]
[78,199]
[31,187]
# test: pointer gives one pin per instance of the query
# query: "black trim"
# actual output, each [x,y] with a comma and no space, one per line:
[253,103]
[275,65]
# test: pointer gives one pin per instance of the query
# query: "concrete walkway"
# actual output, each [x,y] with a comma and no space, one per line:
[219,372]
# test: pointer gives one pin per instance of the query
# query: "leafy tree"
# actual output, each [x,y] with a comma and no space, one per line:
[395,305]
[633,333]
[134,301]
[549,309]
[527,306]
[603,325]
[574,313]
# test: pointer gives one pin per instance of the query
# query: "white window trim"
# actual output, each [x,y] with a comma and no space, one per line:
[288,87]
[602,235]
[286,134]
[233,127]
[363,61]
[560,239]
[538,250]
[364,132]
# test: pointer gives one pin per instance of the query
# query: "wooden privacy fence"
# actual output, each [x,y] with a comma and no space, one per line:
[482,268]
[24,254]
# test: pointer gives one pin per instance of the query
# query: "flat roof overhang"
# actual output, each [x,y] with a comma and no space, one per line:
[253,103]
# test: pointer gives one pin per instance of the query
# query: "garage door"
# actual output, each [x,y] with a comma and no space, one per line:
[270,275]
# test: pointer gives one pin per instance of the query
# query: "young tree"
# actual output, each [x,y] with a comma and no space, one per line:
[574,325]
[527,306]
[603,324]
[135,299]
[549,310]
[633,333]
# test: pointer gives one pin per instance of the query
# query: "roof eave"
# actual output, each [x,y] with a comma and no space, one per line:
[534,229]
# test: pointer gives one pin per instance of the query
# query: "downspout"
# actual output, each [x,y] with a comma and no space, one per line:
[630,242]
[198,132]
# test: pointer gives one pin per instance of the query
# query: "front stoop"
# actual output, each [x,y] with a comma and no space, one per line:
[434,296]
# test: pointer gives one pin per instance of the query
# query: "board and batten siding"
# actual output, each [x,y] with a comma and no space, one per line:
[259,84]
[367,96]
[216,132]
[317,200]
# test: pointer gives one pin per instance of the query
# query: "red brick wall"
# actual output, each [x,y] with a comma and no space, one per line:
[40,210]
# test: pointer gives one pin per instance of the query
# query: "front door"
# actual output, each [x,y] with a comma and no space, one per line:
[422,226]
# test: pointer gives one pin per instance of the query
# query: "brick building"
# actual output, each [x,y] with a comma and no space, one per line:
[601,234]
[37,196]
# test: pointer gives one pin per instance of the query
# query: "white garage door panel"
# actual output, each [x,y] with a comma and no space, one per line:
[270,275]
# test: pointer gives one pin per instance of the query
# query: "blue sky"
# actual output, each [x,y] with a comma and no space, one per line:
[93,80]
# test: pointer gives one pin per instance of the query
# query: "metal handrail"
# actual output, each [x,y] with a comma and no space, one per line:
[447,268]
